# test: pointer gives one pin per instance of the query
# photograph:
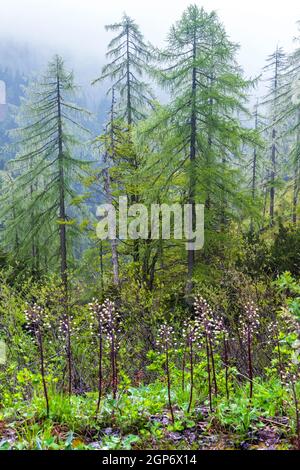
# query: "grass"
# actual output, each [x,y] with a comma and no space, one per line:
[139,418]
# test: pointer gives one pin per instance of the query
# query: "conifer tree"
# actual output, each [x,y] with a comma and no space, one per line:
[276,64]
[201,123]
[46,167]
[289,117]
[130,56]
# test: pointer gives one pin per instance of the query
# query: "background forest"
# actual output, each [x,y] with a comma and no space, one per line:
[121,344]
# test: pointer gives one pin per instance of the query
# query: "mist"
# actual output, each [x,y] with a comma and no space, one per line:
[76,29]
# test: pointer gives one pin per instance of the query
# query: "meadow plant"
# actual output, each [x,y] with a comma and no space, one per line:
[249,325]
[166,341]
[37,324]
[191,337]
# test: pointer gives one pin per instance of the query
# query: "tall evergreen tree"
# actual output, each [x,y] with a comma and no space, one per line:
[46,167]
[276,63]
[289,110]
[130,56]
[202,129]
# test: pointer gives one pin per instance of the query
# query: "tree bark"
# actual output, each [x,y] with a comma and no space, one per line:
[62,209]
[296,175]
[192,169]
[274,147]
[62,228]
[254,167]
[107,188]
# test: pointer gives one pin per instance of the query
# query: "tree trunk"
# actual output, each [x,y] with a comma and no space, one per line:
[113,242]
[274,148]
[192,169]
[62,230]
[272,178]
[296,175]
[107,188]
[62,210]
[134,198]
[254,168]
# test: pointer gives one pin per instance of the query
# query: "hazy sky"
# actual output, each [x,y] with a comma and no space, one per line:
[77,26]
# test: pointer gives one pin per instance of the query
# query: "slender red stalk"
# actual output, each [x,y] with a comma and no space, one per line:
[69,356]
[213,366]
[297,414]
[208,373]
[169,384]
[192,375]
[250,367]
[226,366]
[41,348]
[114,366]
[100,366]
[183,370]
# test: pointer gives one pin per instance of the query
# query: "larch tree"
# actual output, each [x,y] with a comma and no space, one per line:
[46,168]
[201,125]
[289,112]
[256,165]
[107,149]
[275,67]
[130,57]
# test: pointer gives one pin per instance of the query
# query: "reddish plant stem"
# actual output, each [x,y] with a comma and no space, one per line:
[226,367]
[41,348]
[183,370]
[208,373]
[250,366]
[113,365]
[213,366]
[192,375]
[100,368]
[297,414]
[169,384]
[69,356]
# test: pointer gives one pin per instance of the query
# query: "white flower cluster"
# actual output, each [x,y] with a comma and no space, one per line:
[37,319]
[67,327]
[272,331]
[191,332]
[166,337]
[106,319]
[209,323]
[97,318]
[249,323]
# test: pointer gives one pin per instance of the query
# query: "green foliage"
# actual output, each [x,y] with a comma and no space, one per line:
[170,372]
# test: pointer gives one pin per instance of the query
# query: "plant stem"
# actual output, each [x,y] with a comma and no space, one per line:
[213,366]
[183,371]
[226,367]
[296,403]
[113,365]
[169,384]
[69,356]
[100,369]
[250,367]
[208,372]
[192,375]
[40,342]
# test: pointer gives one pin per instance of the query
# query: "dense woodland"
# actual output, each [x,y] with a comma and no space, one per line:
[142,344]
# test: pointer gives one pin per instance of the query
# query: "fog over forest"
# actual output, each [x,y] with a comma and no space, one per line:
[150,228]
